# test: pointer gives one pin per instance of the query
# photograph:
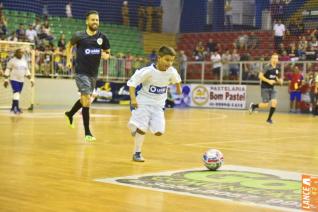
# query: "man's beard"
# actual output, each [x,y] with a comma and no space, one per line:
[93,28]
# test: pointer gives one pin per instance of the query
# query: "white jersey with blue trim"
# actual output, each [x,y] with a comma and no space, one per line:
[17,69]
[154,84]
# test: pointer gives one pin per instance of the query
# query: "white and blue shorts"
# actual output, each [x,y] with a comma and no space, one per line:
[16,86]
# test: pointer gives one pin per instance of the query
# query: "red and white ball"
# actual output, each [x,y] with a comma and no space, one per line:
[213,159]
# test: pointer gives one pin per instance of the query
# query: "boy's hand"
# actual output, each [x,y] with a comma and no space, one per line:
[134,103]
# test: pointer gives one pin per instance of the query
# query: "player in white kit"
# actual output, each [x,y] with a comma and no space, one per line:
[148,104]
[17,69]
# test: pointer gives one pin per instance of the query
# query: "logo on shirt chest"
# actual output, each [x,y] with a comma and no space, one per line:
[99,41]
[92,51]
[157,90]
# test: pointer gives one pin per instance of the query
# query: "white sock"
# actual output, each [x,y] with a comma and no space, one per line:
[139,139]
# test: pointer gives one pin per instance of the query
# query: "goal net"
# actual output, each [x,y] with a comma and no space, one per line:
[7,49]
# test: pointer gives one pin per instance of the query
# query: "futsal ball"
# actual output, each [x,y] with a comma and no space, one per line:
[213,159]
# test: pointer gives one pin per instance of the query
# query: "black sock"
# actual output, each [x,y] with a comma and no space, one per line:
[85,115]
[271,112]
[17,104]
[75,108]
[254,106]
[14,104]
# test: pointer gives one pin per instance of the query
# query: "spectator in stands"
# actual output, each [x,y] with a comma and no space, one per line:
[234,68]
[68,9]
[314,43]
[295,82]
[216,64]
[228,14]
[62,43]
[3,30]
[310,53]
[245,66]
[252,41]
[125,13]
[284,56]
[241,42]
[46,31]
[37,25]
[21,32]
[137,63]
[141,18]
[182,64]
[128,64]
[314,33]
[13,37]
[153,56]
[31,34]
[280,49]
[291,50]
[200,48]
[300,52]
[212,46]
[303,44]
[198,52]
[59,61]
[226,58]
[47,59]
[279,33]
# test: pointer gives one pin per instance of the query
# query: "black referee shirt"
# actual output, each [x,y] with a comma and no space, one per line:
[89,51]
[271,74]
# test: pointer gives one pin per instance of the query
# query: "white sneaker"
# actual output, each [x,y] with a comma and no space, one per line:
[250,108]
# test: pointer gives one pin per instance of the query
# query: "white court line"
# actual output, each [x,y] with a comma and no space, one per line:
[282,174]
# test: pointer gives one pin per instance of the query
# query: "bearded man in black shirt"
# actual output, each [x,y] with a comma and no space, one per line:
[91,45]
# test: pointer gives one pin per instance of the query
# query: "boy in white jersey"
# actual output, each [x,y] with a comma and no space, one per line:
[149,104]
[17,69]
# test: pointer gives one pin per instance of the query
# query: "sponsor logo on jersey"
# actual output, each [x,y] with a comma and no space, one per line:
[157,90]
[272,76]
[100,41]
[92,51]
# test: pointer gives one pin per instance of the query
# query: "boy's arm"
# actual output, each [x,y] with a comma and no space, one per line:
[132,93]
[179,88]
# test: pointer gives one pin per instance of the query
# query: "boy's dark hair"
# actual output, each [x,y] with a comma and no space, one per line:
[91,12]
[166,50]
